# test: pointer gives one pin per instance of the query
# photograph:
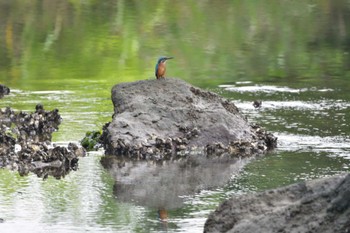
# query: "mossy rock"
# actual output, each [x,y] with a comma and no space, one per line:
[91,141]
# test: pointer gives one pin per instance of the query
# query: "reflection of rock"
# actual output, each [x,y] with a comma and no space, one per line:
[25,143]
[314,206]
[44,161]
[159,118]
[4,90]
[162,185]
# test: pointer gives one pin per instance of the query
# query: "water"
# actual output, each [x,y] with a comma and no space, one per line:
[293,56]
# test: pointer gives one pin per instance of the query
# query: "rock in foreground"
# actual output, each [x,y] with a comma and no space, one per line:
[157,118]
[315,206]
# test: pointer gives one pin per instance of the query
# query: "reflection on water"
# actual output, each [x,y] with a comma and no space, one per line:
[164,185]
[313,122]
[287,168]
[312,130]
[47,43]
[333,146]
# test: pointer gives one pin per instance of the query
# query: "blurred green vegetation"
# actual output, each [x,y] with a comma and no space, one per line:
[213,42]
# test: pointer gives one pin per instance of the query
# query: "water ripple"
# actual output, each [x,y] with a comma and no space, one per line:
[336,145]
[270,89]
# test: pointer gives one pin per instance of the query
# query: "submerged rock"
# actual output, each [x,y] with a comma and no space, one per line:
[4,90]
[154,119]
[25,143]
[314,206]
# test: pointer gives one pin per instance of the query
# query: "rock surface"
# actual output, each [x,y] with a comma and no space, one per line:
[160,118]
[314,206]
[25,143]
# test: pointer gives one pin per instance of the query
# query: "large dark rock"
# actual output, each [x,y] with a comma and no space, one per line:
[157,118]
[314,206]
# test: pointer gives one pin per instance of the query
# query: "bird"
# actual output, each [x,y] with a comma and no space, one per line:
[161,67]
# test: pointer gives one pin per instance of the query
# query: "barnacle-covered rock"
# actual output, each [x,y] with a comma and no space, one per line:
[25,143]
[168,117]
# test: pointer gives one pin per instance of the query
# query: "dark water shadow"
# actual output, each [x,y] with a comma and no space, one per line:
[164,185]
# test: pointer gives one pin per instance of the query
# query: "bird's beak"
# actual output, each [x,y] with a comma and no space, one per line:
[169,58]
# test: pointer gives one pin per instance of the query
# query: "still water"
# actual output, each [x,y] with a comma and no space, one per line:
[67,54]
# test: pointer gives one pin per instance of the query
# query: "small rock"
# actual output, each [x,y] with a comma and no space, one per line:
[4,90]
[257,103]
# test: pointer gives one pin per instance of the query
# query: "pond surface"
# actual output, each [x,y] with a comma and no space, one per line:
[291,55]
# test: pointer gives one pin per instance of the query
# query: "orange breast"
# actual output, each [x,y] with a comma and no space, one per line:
[161,70]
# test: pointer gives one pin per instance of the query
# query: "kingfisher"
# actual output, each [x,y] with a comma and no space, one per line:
[160,67]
